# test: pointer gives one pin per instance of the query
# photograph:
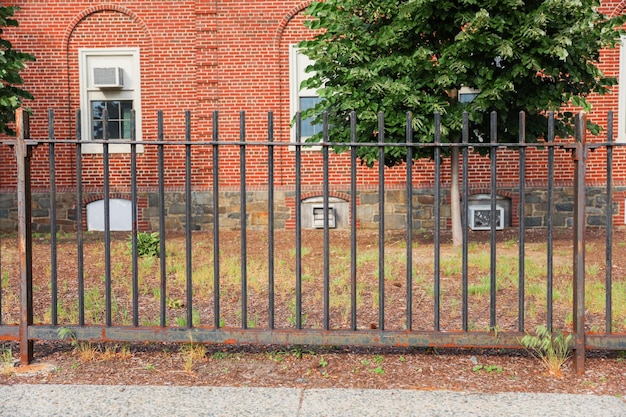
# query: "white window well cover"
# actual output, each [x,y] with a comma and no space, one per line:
[112,77]
[480,217]
[120,215]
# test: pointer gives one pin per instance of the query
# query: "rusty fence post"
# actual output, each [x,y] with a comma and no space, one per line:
[22,155]
[580,159]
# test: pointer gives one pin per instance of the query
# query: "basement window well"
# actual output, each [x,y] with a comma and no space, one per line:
[479,212]
[313,213]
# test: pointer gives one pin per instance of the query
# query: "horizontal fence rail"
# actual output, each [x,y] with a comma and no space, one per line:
[378,289]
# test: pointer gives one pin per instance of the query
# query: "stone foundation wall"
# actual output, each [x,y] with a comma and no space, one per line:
[257,214]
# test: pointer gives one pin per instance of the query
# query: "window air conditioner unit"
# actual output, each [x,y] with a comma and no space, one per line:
[480,217]
[318,217]
[108,77]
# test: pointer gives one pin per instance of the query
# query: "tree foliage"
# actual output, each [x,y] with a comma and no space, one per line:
[11,63]
[395,56]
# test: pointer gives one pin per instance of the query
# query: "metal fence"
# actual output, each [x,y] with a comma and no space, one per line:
[394,319]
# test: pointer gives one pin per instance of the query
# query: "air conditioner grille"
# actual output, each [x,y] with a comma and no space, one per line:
[108,77]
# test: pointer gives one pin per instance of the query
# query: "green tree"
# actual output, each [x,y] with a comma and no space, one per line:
[395,56]
[11,63]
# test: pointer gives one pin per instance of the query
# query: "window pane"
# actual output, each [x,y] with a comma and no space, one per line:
[114,109]
[118,124]
[308,128]
[96,109]
[97,130]
[114,129]
[126,107]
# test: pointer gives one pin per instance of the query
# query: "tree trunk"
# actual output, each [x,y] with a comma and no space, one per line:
[455,199]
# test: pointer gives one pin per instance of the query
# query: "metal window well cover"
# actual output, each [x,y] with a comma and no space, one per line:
[318,217]
[480,217]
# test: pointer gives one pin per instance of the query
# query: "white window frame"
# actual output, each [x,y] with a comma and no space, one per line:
[298,62]
[621,119]
[128,60]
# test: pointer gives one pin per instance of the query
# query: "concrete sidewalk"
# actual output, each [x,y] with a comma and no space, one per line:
[94,400]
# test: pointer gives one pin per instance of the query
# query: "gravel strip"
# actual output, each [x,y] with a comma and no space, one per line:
[93,400]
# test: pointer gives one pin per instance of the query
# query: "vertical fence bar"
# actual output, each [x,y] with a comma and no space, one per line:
[464,225]
[270,218]
[579,244]
[22,155]
[550,234]
[353,219]
[79,222]
[325,188]
[493,220]
[609,226]
[1,322]
[298,198]
[134,214]
[522,217]
[437,214]
[53,220]
[107,217]
[216,222]
[188,220]
[162,251]
[409,221]
[243,197]
[381,221]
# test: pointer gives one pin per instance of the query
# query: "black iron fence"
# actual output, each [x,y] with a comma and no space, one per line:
[376,288]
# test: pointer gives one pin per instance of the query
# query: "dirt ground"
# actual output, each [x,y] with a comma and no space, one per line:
[302,367]
[478,370]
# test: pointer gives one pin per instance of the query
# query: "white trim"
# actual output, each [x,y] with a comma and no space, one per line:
[130,64]
[298,63]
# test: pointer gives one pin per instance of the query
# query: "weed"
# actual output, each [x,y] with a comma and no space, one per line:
[253,321]
[124,352]
[299,353]
[276,356]
[511,243]
[553,351]
[488,368]
[378,370]
[482,288]
[292,319]
[6,361]
[323,362]
[110,353]
[85,350]
[192,352]
[219,356]
[147,244]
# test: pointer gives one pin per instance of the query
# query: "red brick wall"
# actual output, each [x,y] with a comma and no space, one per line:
[228,55]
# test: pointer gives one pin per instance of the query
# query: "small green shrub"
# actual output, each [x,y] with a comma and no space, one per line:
[552,350]
[147,244]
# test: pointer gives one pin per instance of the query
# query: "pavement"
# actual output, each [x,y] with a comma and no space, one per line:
[117,400]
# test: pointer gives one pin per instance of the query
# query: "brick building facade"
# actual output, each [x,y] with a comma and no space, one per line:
[226,56]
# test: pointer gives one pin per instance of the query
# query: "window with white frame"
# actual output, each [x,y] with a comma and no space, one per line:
[621,124]
[301,99]
[109,80]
